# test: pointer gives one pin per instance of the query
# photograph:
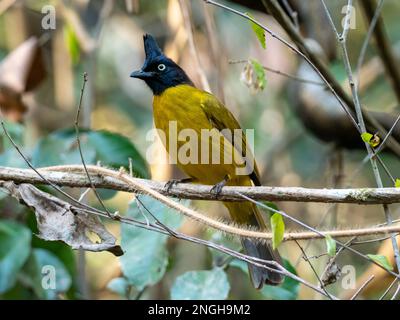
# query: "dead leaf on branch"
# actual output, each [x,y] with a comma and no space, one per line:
[332,273]
[21,71]
[56,221]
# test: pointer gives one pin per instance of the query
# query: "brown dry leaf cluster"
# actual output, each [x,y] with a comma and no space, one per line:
[57,220]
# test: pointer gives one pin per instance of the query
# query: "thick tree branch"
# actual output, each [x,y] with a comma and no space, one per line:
[74,176]
[80,179]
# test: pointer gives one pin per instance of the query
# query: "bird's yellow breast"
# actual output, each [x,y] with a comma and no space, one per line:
[181,107]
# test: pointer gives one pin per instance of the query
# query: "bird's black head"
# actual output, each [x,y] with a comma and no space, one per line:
[158,71]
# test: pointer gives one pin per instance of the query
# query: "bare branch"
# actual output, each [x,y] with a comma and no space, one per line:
[74,176]
[354,89]
[362,287]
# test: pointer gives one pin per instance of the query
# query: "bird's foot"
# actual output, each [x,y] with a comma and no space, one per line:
[217,188]
[173,182]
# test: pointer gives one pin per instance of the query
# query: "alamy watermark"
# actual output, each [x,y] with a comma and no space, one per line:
[209,146]
[348,277]
[49,19]
[349,20]
[49,277]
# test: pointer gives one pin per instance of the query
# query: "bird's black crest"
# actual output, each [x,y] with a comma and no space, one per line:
[158,71]
[151,47]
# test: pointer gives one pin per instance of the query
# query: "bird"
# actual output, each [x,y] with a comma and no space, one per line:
[177,100]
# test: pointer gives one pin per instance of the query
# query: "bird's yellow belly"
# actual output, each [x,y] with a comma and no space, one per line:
[181,123]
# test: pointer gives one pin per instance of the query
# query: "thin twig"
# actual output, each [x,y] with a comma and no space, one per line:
[313,269]
[293,48]
[252,260]
[342,41]
[255,261]
[42,178]
[292,13]
[78,141]
[338,90]
[396,293]
[304,225]
[388,289]
[355,295]
[370,241]
[281,73]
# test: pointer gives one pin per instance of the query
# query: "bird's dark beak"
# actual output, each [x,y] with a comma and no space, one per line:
[140,74]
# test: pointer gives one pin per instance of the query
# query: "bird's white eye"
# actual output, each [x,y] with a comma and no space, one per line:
[161,67]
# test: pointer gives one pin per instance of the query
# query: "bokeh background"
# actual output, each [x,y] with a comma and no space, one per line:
[41,75]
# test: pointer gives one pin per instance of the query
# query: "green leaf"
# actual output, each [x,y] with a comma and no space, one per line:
[115,150]
[146,257]
[15,240]
[366,137]
[381,260]
[260,74]
[330,245]
[11,158]
[111,149]
[288,290]
[55,150]
[72,43]
[260,33]
[397,183]
[201,285]
[278,229]
[46,274]
[61,250]
[372,140]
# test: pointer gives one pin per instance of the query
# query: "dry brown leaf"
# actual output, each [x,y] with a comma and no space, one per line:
[21,71]
[332,273]
[57,221]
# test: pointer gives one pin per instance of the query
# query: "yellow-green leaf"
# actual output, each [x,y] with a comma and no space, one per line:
[397,183]
[260,74]
[381,260]
[258,31]
[330,245]
[366,137]
[278,229]
[72,43]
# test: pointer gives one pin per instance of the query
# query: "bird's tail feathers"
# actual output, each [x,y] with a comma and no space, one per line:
[256,248]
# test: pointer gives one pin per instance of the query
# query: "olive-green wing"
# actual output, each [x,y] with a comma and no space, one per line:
[221,118]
